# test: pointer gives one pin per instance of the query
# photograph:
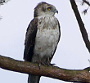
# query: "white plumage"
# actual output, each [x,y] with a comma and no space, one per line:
[47,36]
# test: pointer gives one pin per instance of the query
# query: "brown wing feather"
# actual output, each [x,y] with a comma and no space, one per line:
[30,39]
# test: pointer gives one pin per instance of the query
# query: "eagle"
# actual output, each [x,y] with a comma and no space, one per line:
[42,37]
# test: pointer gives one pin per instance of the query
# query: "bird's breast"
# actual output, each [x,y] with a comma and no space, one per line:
[47,37]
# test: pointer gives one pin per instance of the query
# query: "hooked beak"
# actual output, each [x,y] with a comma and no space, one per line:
[56,11]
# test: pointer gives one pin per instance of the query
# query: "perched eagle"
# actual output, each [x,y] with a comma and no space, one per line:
[42,37]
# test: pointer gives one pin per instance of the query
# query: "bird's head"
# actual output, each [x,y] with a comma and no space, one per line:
[43,9]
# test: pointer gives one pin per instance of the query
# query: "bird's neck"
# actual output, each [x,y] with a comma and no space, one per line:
[45,15]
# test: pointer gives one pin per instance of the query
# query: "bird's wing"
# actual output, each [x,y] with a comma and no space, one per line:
[30,40]
[58,40]
[59,31]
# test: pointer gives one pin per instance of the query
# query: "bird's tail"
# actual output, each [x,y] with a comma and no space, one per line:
[33,78]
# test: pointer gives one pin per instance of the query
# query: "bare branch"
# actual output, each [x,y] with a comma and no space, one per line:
[87,2]
[3,1]
[49,71]
[85,11]
[81,24]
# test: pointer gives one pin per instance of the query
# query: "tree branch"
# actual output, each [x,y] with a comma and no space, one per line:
[3,1]
[81,24]
[48,71]
[87,2]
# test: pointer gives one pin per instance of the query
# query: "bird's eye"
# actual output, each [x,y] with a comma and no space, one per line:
[49,8]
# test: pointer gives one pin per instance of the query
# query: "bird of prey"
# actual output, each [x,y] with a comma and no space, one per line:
[42,37]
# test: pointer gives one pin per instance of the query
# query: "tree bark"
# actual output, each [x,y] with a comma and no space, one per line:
[48,71]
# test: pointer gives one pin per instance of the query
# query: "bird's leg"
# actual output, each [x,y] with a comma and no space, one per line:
[49,62]
[45,61]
